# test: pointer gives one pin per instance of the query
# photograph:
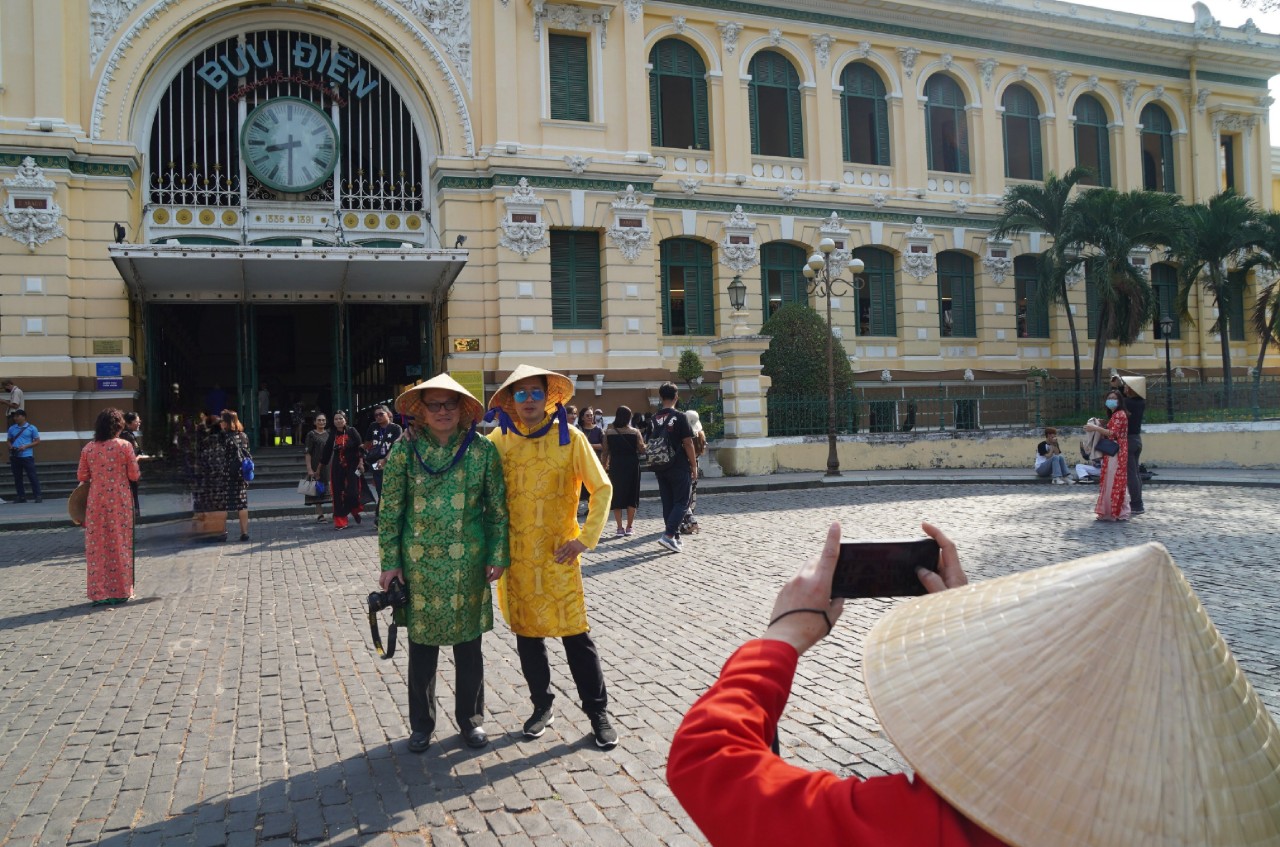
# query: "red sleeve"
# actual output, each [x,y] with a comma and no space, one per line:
[1119,426]
[739,793]
[83,472]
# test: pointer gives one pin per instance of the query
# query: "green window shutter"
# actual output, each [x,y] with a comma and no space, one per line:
[962,139]
[568,69]
[1164,282]
[844,128]
[655,106]
[1235,306]
[1037,153]
[701,110]
[1166,154]
[754,104]
[882,131]
[795,119]
[561,280]
[575,279]
[958,269]
[1104,157]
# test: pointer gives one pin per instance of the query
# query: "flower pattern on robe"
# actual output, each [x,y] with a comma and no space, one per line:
[539,597]
[1113,488]
[443,530]
[108,467]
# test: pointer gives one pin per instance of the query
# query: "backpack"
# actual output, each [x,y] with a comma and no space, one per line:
[246,459]
[658,450]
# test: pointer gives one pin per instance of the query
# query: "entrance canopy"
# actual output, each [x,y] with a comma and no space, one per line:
[192,273]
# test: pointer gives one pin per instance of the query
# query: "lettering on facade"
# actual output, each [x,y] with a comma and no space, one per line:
[331,66]
[108,347]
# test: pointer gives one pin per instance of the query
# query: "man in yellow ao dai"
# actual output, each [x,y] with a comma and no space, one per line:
[545,462]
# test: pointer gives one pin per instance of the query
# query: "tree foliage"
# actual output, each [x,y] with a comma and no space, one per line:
[797,356]
[1215,236]
[690,367]
[1265,314]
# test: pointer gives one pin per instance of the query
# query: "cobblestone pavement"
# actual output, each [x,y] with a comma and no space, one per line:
[237,701]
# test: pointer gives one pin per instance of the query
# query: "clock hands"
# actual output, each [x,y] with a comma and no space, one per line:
[289,146]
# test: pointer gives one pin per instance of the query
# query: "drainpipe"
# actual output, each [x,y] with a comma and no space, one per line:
[1191,135]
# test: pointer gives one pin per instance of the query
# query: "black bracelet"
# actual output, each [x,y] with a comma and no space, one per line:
[794,611]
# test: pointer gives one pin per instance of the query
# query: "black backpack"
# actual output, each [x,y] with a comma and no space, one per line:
[659,450]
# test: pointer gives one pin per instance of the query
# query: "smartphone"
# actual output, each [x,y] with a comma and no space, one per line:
[883,568]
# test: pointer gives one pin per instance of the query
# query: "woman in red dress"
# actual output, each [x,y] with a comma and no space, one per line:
[109,464]
[344,454]
[1113,488]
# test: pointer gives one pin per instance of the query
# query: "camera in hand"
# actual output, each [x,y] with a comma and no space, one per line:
[396,597]
[883,568]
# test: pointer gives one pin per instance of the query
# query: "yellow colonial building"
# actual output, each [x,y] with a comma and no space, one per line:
[330,199]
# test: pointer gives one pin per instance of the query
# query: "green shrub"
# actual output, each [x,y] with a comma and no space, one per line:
[797,356]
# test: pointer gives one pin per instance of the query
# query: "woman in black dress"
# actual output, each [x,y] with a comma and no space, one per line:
[623,446]
[344,454]
[235,451]
[317,441]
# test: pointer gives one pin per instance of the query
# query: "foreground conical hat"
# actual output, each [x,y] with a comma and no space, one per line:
[1087,703]
[1137,383]
[559,388]
[411,403]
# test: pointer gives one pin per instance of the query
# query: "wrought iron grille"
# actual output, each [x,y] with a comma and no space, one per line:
[195,137]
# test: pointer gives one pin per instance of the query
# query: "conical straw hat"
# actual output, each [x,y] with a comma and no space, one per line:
[1087,703]
[78,504]
[1137,383]
[410,402]
[559,388]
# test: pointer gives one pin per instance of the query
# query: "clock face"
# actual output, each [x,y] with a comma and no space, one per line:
[289,145]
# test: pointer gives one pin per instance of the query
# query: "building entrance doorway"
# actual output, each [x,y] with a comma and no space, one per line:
[278,364]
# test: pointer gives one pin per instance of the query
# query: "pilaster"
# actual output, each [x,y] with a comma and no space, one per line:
[744,450]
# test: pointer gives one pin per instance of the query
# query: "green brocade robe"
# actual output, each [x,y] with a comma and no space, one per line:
[443,530]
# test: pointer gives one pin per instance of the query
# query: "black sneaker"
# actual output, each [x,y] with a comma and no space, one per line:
[606,735]
[536,725]
[419,742]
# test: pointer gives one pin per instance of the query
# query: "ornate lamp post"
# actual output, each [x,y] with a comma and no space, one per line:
[822,282]
[1166,329]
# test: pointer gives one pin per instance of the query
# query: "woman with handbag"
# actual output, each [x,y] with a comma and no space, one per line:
[317,470]
[1113,488]
[344,454]
[237,451]
[107,466]
[623,447]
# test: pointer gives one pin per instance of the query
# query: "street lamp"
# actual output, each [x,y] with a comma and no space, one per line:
[738,301]
[1166,329]
[821,283]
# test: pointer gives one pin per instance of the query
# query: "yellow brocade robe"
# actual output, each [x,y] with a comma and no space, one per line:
[539,597]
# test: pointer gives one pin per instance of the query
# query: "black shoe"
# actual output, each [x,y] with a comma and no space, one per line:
[419,742]
[244,536]
[536,725]
[1137,511]
[356,515]
[39,499]
[21,500]
[476,737]
[606,735]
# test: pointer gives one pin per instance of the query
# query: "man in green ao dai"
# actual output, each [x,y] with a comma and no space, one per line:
[442,529]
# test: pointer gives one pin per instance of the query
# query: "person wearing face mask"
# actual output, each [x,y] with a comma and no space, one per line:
[1113,488]
[344,454]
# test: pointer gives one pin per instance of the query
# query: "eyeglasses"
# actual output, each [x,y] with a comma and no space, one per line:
[447,405]
[522,395]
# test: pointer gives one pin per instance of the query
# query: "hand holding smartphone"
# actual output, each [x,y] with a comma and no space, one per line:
[883,568]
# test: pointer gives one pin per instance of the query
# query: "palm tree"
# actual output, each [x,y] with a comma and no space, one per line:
[1216,235]
[1111,225]
[1047,208]
[1266,311]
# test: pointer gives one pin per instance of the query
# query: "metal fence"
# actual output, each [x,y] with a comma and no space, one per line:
[919,408]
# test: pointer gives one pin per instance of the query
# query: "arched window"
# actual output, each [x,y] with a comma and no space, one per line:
[1022,152]
[678,97]
[957,316]
[864,116]
[687,289]
[781,276]
[1157,149]
[1164,284]
[877,299]
[1033,310]
[947,125]
[1093,143]
[775,95]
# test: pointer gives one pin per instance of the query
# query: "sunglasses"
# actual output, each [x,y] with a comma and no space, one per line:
[447,405]
[522,395]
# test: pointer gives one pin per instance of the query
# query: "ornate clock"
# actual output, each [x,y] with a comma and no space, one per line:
[289,145]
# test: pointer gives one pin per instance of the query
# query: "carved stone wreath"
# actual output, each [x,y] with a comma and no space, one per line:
[524,237]
[919,265]
[31,226]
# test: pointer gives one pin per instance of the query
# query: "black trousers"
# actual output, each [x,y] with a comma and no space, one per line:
[584,664]
[1134,477]
[468,661]
[674,485]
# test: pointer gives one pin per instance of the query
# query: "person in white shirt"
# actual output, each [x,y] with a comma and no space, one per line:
[16,400]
